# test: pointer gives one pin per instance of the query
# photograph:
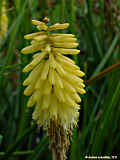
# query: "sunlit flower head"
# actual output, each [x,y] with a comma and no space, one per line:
[54,82]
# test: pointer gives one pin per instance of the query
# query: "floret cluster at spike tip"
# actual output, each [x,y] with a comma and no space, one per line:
[54,82]
[3,21]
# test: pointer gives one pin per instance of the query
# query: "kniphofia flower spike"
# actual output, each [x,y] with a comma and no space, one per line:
[54,82]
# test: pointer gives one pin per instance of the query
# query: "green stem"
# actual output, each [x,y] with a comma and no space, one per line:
[104,72]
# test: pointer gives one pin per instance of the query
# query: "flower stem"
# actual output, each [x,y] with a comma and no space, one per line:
[54,154]
[102,73]
[59,140]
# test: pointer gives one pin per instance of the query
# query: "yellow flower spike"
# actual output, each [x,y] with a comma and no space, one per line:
[55,81]
[3,21]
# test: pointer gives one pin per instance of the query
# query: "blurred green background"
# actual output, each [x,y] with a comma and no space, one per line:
[96,24]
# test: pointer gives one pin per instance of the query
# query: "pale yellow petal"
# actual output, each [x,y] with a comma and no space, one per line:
[33,35]
[47,48]
[26,82]
[47,88]
[61,34]
[62,39]
[51,76]
[45,70]
[40,25]
[28,90]
[65,45]
[33,76]
[59,94]
[36,22]
[81,85]
[67,63]
[76,97]
[60,69]
[69,100]
[73,79]
[34,42]
[39,84]
[36,71]
[53,107]
[34,62]
[35,55]
[52,61]
[61,112]
[32,48]
[37,95]
[58,80]
[64,58]
[58,26]
[46,101]
[31,101]
[73,71]
[41,37]
[68,86]
[81,90]
[66,51]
